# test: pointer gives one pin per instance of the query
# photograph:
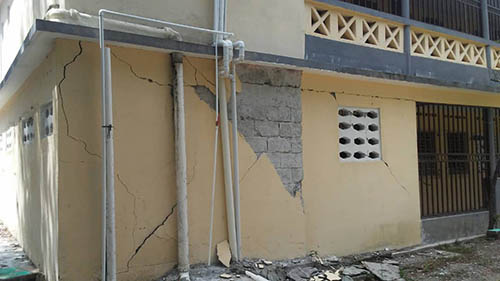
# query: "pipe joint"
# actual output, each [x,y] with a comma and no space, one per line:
[177,57]
[227,57]
[240,46]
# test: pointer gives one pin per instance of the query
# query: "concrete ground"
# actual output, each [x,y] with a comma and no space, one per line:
[474,260]
[14,264]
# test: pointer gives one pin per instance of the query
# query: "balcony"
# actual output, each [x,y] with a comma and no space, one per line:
[441,40]
[460,15]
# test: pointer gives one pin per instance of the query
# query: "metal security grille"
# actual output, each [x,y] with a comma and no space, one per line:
[453,159]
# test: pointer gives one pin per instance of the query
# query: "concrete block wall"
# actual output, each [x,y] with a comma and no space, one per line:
[270,119]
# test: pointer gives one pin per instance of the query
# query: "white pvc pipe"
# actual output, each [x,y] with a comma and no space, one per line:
[181,178]
[107,166]
[104,153]
[236,166]
[104,11]
[110,178]
[226,153]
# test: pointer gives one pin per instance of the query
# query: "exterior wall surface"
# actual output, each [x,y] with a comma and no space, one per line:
[278,30]
[16,19]
[145,171]
[454,227]
[28,172]
[339,209]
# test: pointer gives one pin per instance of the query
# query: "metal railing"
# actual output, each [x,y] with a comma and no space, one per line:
[453,159]
[459,15]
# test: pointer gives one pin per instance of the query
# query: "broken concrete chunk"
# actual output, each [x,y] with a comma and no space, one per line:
[226,276]
[224,253]
[260,266]
[388,261]
[385,272]
[301,274]
[353,271]
[267,262]
[332,276]
[255,276]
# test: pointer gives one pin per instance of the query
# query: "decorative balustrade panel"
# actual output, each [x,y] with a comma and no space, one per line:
[442,48]
[340,25]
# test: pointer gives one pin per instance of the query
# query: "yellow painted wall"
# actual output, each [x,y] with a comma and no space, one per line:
[355,207]
[273,222]
[28,172]
[346,208]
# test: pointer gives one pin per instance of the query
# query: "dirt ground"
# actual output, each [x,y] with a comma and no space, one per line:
[474,260]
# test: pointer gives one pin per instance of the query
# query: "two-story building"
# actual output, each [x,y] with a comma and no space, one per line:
[361,125]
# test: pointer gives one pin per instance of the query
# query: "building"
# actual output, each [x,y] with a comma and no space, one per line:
[362,125]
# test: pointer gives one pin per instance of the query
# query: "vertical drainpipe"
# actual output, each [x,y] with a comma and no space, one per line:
[110,179]
[405,12]
[180,159]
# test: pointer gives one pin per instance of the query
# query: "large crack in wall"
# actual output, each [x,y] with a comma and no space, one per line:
[270,118]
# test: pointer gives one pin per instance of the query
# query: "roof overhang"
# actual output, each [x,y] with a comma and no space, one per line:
[40,39]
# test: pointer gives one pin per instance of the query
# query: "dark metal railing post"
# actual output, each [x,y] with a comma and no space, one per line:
[485,26]
[405,12]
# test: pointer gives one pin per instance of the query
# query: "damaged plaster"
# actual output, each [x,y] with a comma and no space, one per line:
[270,118]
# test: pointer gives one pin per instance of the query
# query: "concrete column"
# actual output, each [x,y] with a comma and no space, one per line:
[405,12]
[494,197]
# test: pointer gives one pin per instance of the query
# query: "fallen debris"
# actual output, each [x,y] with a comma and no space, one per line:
[385,272]
[332,276]
[224,253]
[354,270]
[226,276]
[388,261]
[301,274]
[255,276]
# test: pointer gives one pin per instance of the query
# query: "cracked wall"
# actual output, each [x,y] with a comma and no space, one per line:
[353,196]
[269,117]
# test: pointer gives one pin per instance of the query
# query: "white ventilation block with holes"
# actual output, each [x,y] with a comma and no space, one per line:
[28,131]
[359,134]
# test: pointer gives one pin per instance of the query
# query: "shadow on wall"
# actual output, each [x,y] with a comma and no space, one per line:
[28,191]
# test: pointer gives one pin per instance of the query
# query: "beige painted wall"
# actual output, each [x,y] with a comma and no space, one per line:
[28,173]
[341,214]
[278,30]
[355,207]
[145,175]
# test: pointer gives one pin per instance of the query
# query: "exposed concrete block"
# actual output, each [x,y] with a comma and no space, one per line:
[296,115]
[269,75]
[280,113]
[297,174]
[252,112]
[285,175]
[267,128]
[290,129]
[291,160]
[205,95]
[296,145]
[247,128]
[275,159]
[258,144]
[278,145]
